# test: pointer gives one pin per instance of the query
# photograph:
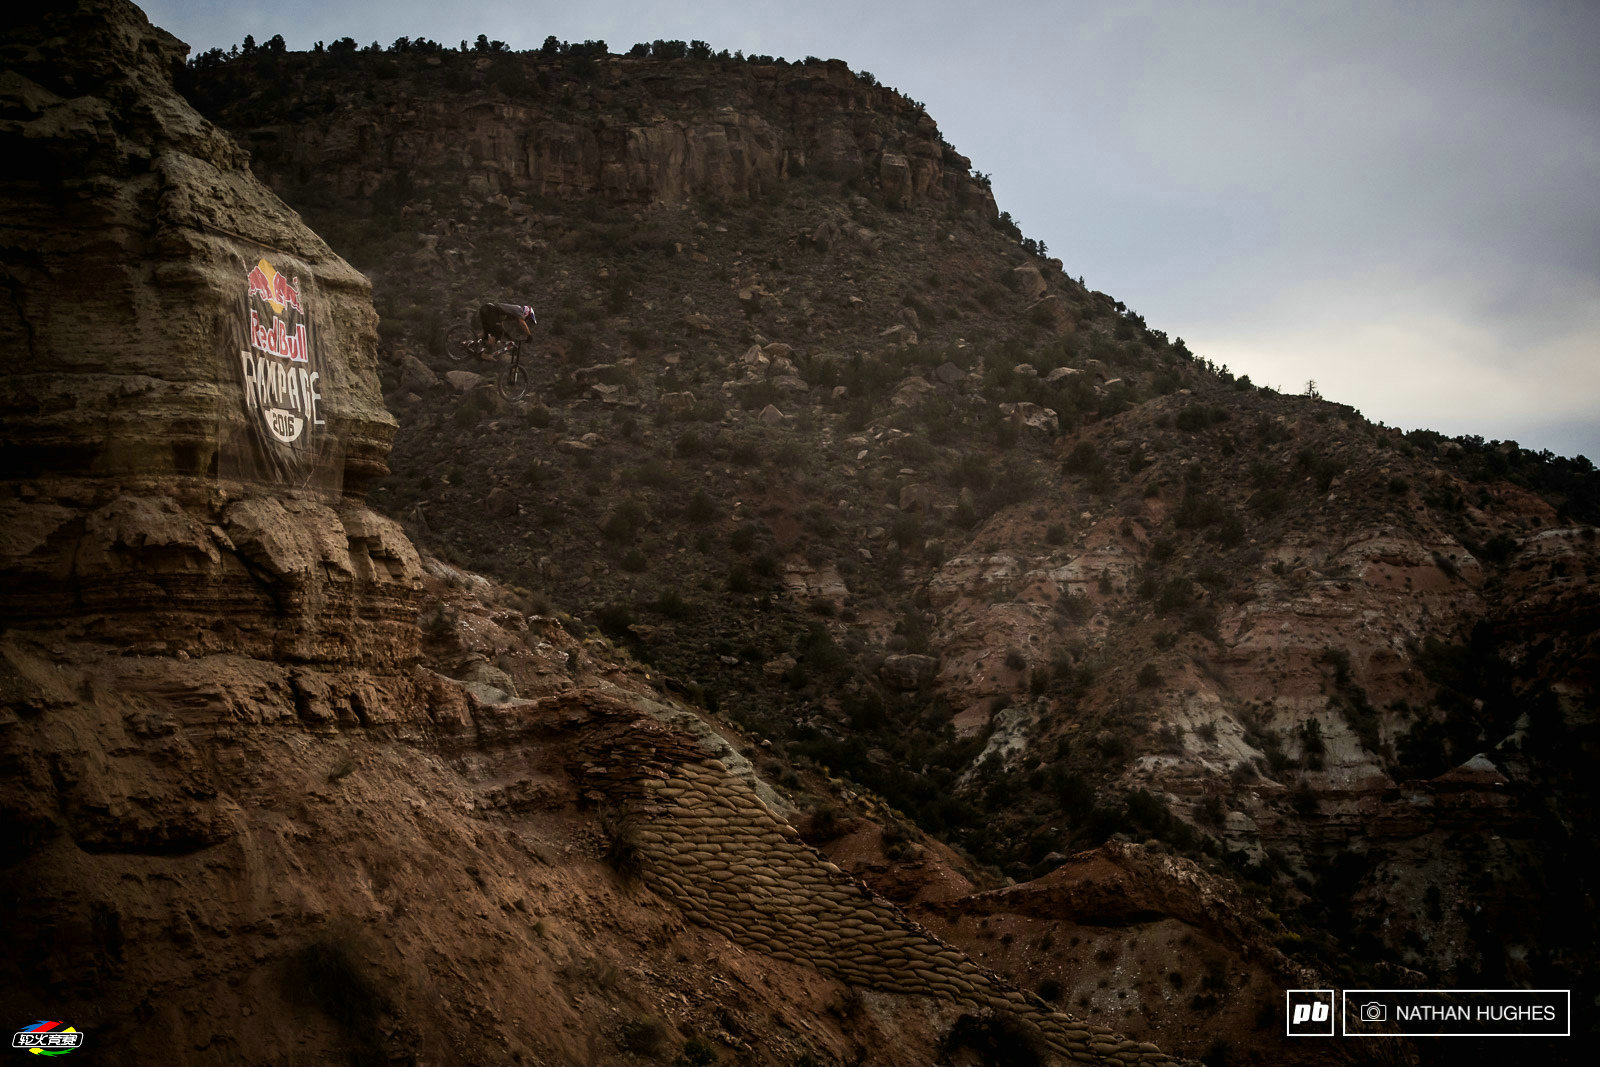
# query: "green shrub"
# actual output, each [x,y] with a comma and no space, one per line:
[701,509]
[623,524]
[697,1052]
[1083,459]
[999,1039]
[614,619]
[624,852]
[906,531]
[329,974]
[671,604]
[645,1037]
[744,538]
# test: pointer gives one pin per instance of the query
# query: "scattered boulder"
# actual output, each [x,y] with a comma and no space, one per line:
[1061,374]
[918,496]
[416,376]
[698,321]
[1027,280]
[1033,417]
[1049,311]
[949,373]
[771,416]
[677,403]
[911,391]
[500,504]
[464,381]
[826,234]
[908,671]
[597,373]
[1025,370]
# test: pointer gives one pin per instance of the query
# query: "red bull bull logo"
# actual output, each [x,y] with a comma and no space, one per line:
[274,288]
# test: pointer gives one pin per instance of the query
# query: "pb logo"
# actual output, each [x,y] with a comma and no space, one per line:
[1309,1013]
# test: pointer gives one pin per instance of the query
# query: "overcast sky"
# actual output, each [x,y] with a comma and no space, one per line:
[1400,200]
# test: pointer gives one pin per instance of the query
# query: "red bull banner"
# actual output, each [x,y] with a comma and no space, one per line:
[284,438]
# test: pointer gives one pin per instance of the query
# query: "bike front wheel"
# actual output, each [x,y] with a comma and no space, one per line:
[460,342]
[513,382]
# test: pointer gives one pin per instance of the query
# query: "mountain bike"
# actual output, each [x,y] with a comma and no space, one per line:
[462,342]
[513,379]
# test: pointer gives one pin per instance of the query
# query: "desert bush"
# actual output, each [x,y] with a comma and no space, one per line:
[999,1039]
[906,531]
[701,508]
[329,974]
[624,852]
[1083,459]
[1198,509]
[624,522]
[614,618]
[646,1036]
[697,1052]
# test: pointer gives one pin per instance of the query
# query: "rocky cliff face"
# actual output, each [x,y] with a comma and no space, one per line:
[141,477]
[623,129]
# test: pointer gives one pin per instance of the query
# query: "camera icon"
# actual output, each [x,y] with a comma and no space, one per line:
[1372,1012]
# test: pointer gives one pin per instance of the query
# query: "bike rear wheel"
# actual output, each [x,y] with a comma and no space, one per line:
[513,382]
[460,342]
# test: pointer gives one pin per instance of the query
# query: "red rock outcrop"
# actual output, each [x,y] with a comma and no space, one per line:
[143,503]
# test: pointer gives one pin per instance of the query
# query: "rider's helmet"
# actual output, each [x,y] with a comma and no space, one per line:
[527,313]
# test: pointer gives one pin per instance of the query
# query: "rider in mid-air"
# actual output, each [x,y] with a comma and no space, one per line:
[505,321]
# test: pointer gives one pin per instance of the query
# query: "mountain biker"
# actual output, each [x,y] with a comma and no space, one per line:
[504,320]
